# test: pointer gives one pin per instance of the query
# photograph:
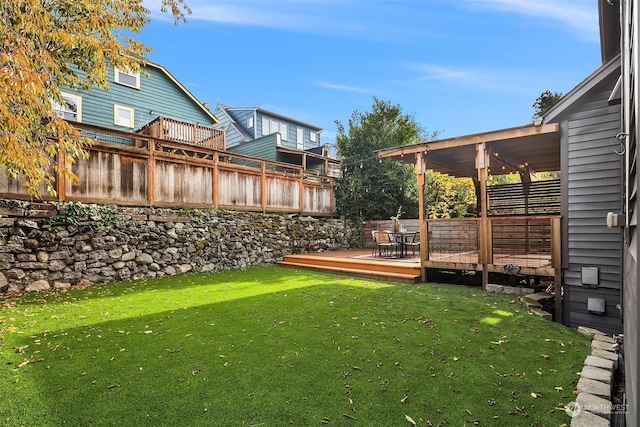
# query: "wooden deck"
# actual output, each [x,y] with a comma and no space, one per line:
[358,262]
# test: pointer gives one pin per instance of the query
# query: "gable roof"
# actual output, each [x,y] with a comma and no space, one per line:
[584,87]
[232,122]
[276,115]
[182,88]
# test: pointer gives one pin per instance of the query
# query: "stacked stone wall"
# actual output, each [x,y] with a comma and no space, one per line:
[47,245]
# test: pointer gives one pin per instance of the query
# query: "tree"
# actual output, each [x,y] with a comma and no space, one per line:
[545,101]
[448,197]
[46,44]
[371,188]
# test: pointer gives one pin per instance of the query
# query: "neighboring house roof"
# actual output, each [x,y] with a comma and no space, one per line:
[232,122]
[183,88]
[276,115]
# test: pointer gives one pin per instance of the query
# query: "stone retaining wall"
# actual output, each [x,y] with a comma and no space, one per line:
[46,245]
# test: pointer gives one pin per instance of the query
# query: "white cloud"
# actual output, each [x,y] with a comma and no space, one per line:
[344,88]
[475,78]
[578,16]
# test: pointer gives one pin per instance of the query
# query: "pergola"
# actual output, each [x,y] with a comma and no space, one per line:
[524,150]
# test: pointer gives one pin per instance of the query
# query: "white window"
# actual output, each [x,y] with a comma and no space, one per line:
[250,122]
[123,116]
[71,108]
[271,126]
[127,78]
[313,136]
[300,138]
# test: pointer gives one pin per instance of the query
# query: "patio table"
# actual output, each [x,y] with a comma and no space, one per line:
[403,237]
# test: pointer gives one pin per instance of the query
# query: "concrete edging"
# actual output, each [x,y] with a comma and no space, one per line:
[592,407]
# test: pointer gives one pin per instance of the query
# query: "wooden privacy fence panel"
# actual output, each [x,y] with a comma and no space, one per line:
[318,199]
[183,184]
[110,176]
[282,193]
[534,198]
[135,169]
[229,185]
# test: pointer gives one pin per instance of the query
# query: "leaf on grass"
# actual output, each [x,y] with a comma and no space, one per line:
[404,399]
[559,389]
[112,386]
[148,331]
[410,420]
[535,395]
[544,356]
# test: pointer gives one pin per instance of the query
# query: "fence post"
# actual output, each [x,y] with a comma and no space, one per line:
[263,186]
[151,170]
[61,182]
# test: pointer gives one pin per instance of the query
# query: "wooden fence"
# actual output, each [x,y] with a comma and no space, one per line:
[137,169]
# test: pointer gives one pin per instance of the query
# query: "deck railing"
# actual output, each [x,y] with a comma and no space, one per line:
[526,243]
[185,133]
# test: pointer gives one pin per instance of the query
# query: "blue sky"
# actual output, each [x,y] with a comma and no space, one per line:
[460,67]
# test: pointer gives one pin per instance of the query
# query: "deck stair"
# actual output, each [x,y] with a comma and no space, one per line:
[408,272]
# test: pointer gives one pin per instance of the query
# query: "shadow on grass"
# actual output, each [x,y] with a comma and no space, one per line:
[297,348]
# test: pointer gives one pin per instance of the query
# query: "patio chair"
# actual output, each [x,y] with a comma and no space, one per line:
[414,243]
[375,243]
[385,243]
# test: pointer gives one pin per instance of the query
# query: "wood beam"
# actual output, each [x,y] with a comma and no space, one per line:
[498,135]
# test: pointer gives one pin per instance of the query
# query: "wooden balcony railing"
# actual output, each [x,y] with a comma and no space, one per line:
[185,133]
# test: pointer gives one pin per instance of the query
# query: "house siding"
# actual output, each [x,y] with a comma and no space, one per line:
[225,122]
[240,116]
[593,187]
[158,96]
[262,148]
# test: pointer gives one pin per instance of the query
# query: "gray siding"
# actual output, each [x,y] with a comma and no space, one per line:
[592,188]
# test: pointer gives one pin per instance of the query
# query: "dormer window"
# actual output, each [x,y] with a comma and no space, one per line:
[313,136]
[250,122]
[127,78]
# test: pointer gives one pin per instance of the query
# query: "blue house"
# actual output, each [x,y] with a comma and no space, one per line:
[135,102]
[260,133]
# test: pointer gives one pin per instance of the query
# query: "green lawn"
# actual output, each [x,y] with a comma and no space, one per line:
[269,346]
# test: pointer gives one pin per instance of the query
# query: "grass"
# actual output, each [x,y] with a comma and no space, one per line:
[271,346]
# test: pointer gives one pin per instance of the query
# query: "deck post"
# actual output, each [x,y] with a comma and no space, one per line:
[557,267]
[482,165]
[420,168]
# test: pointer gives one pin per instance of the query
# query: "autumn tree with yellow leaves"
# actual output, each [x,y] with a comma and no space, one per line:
[46,44]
